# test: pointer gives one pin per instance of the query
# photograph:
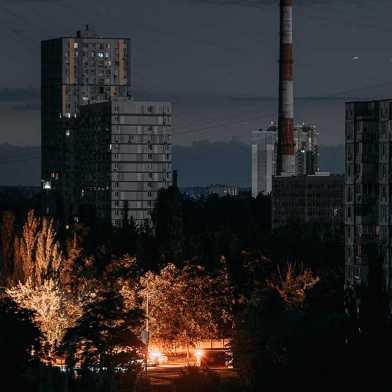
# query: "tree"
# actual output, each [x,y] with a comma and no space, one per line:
[168,224]
[269,335]
[292,286]
[37,253]
[18,338]
[43,288]
[53,310]
[186,304]
[104,339]
[7,236]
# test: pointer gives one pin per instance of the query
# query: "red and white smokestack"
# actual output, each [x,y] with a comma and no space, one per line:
[286,157]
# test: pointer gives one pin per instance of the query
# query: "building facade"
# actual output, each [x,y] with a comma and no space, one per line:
[123,158]
[315,198]
[307,150]
[264,155]
[264,150]
[368,192]
[75,71]
[223,190]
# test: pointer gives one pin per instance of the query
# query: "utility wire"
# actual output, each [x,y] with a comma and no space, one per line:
[222,124]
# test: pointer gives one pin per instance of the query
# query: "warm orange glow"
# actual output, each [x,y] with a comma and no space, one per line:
[199,355]
[157,357]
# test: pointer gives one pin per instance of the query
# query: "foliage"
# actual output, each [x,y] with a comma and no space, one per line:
[53,310]
[292,287]
[42,288]
[270,325]
[104,339]
[17,339]
[7,237]
[36,251]
[185,304]
[168,222]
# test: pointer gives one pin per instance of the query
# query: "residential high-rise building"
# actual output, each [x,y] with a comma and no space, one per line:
[317,198]
[264,155]
[123,157]
[76,71]
[368,190]
[263,159]
[223,190]
[307,150]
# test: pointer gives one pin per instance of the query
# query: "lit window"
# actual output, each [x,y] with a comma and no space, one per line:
[101,55]
[76,45]
[47,185]
[67,132]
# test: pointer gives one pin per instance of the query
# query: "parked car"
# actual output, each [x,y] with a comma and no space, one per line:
[215,358]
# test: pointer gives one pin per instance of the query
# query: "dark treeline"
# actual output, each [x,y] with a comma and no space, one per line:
[293,324]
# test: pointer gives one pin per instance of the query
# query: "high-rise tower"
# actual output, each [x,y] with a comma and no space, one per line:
[286,154]
[76,71]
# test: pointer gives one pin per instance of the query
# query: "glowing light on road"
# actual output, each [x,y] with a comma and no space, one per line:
[199,356]
[157,358]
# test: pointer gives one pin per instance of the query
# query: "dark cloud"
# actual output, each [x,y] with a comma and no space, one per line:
[33,1]
[202,49]
[18,94]
[28,107]
[261,3]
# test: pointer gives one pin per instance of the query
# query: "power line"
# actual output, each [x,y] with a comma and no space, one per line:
[223,124]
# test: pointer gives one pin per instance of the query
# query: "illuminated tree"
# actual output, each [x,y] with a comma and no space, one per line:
[185,304]
[292,285]
[44,287]
[53,311]
[7,236]
[37,253]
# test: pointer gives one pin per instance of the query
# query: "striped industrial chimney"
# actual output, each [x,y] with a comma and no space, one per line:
[286,157]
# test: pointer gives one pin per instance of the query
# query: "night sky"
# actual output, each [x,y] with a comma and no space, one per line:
[216,60]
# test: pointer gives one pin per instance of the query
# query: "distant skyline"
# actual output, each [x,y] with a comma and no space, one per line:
[201,164]
[201,53]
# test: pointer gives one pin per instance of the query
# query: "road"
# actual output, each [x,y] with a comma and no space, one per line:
[162,377]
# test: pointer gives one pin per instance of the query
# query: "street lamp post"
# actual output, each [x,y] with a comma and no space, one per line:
[147,328]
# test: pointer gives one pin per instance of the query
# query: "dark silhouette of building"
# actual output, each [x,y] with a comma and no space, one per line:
[122,159]
[310,198]
[368,190]
[75,71]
